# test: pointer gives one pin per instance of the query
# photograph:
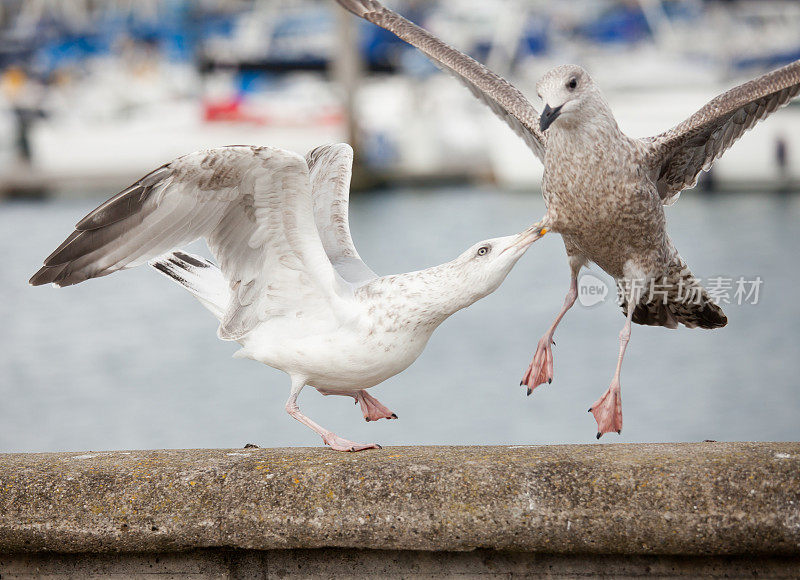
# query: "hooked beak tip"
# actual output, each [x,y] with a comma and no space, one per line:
[548,116]
[526,238]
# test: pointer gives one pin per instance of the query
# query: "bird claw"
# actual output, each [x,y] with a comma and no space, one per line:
[607,411]
[372,408]
[619,432]
[540,370]
[340,444]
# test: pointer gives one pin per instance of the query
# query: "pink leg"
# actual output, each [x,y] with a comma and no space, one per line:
[370,406]
[540,370]
[337,443]
[607,410]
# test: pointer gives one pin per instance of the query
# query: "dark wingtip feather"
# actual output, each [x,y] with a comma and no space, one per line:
[77,245]
[117,208]
[188,258]
[55,259]
[63,275]
[161,268]
[45,275]
[38,278]
[95,231]
[171,272]
[125,203]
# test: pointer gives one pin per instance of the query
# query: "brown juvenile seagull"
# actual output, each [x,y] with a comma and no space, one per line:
[605,191]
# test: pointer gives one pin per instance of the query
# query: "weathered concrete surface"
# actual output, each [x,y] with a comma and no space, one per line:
[354,563]
[688,499]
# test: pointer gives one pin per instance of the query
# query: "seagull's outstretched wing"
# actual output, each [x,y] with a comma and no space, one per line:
[502,97]
[252,204]
[330,168]
[678,155]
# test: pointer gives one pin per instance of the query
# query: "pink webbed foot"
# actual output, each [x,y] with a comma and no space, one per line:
[607,411]
[540,370]
[372,408]
[340,444]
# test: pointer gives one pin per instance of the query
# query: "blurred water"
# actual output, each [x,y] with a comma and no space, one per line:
[132,361]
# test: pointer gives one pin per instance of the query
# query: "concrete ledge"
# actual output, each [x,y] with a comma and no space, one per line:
[350,563]
[706,499]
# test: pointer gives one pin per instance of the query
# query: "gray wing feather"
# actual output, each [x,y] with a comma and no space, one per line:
[505,100]
[330,168]
[679,155]
[252,204]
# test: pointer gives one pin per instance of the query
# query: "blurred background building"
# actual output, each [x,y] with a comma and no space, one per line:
[96,92]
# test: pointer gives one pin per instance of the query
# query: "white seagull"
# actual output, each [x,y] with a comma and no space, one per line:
[290,288]
[605,191]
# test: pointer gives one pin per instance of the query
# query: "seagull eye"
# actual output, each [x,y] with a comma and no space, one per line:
[573,82]
[483,250]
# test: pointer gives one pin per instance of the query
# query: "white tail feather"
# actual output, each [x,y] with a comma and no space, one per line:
[199,276]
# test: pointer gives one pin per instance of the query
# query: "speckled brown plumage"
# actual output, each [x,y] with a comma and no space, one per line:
[605,191]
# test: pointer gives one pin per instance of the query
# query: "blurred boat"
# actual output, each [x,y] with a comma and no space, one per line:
[126,86]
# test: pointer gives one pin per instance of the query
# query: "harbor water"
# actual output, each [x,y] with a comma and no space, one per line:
[132,361]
